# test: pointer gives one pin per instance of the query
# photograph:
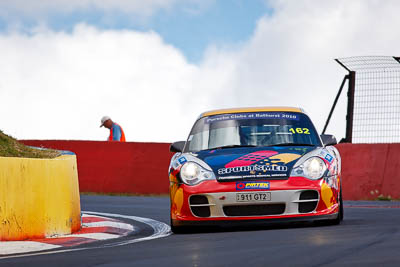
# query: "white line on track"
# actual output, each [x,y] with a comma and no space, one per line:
[160,230]
[110,224]
[97,236]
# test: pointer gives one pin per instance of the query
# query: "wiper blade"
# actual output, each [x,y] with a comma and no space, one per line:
[233,146]
[292,144]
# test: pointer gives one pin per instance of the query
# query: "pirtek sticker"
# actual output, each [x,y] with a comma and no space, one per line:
[251,185]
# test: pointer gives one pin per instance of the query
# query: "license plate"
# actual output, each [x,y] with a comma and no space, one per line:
[253,197]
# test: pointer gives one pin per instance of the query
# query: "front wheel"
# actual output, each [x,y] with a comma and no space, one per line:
[178,229]
[341,213]
[339,217]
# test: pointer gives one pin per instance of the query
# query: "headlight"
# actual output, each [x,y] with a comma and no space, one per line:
[313,168]
[192,173]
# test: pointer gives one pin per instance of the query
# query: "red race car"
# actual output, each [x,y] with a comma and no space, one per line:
[254,165]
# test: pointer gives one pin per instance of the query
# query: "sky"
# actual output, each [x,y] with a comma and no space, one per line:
[153,66]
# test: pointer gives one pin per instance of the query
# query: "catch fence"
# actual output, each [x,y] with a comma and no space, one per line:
[373,107]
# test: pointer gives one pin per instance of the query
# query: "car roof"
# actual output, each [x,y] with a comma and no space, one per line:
[250,109]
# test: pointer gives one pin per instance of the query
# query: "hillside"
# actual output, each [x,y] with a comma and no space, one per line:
[10,147]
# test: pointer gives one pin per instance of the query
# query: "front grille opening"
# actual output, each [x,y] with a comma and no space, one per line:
[305,207]
[309,206]
[202,211]
[198,199]
[309,194]
[254,210]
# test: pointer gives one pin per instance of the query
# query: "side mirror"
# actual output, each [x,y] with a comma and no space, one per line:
[177,146]
[328,139]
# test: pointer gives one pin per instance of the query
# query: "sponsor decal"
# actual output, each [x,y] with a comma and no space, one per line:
[182,160]
[253,115]
[250,168]
[329,158]
[257,176]
[252,185]
[251,158]
[299,131]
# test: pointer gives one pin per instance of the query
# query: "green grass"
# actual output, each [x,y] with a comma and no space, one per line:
[384,198]
[10,147]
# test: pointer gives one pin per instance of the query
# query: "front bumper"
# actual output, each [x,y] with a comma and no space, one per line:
[255,221]
[295,199]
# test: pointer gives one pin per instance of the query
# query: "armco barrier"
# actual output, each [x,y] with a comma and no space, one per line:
[368,170]
[38,197]
[114,167]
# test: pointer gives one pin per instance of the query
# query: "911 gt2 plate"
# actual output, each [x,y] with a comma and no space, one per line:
[253,197]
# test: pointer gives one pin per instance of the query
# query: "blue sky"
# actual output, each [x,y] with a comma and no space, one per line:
[223,23]
[189,27]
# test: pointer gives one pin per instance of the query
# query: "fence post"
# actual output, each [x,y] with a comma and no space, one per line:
[335,102]
[350,107]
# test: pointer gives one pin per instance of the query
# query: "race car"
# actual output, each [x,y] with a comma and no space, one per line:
[254,165]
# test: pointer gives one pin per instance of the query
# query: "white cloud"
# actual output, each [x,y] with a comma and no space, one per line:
[58,85]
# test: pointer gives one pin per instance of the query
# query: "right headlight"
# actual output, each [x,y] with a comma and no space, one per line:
[192,173]
[313,168]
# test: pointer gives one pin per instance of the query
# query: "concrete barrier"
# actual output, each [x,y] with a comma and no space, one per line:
[368,170]
[38,197]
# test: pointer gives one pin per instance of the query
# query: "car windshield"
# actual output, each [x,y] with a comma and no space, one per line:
[252,129]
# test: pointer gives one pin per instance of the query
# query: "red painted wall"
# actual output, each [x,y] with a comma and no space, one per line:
[113,167]
[368,170]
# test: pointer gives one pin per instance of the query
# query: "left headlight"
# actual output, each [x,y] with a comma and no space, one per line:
[313,168]
[192,173]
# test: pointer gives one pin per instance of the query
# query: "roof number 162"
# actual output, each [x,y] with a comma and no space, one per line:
[299,130]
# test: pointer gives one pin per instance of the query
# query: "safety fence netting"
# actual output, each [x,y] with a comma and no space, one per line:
[376,110]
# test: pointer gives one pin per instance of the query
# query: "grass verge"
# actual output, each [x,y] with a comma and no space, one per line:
[10,147]
[386,198]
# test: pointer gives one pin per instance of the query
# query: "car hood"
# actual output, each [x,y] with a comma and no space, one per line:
[253,163]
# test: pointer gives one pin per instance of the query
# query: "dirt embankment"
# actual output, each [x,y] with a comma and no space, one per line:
[10,147]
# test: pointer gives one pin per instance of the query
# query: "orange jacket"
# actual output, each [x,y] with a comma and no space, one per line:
[116,128]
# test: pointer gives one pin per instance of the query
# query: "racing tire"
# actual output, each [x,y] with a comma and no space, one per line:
[340,214]
[339,217]
[179,229]
[341,209]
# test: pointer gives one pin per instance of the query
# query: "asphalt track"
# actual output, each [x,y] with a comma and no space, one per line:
[368,236]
